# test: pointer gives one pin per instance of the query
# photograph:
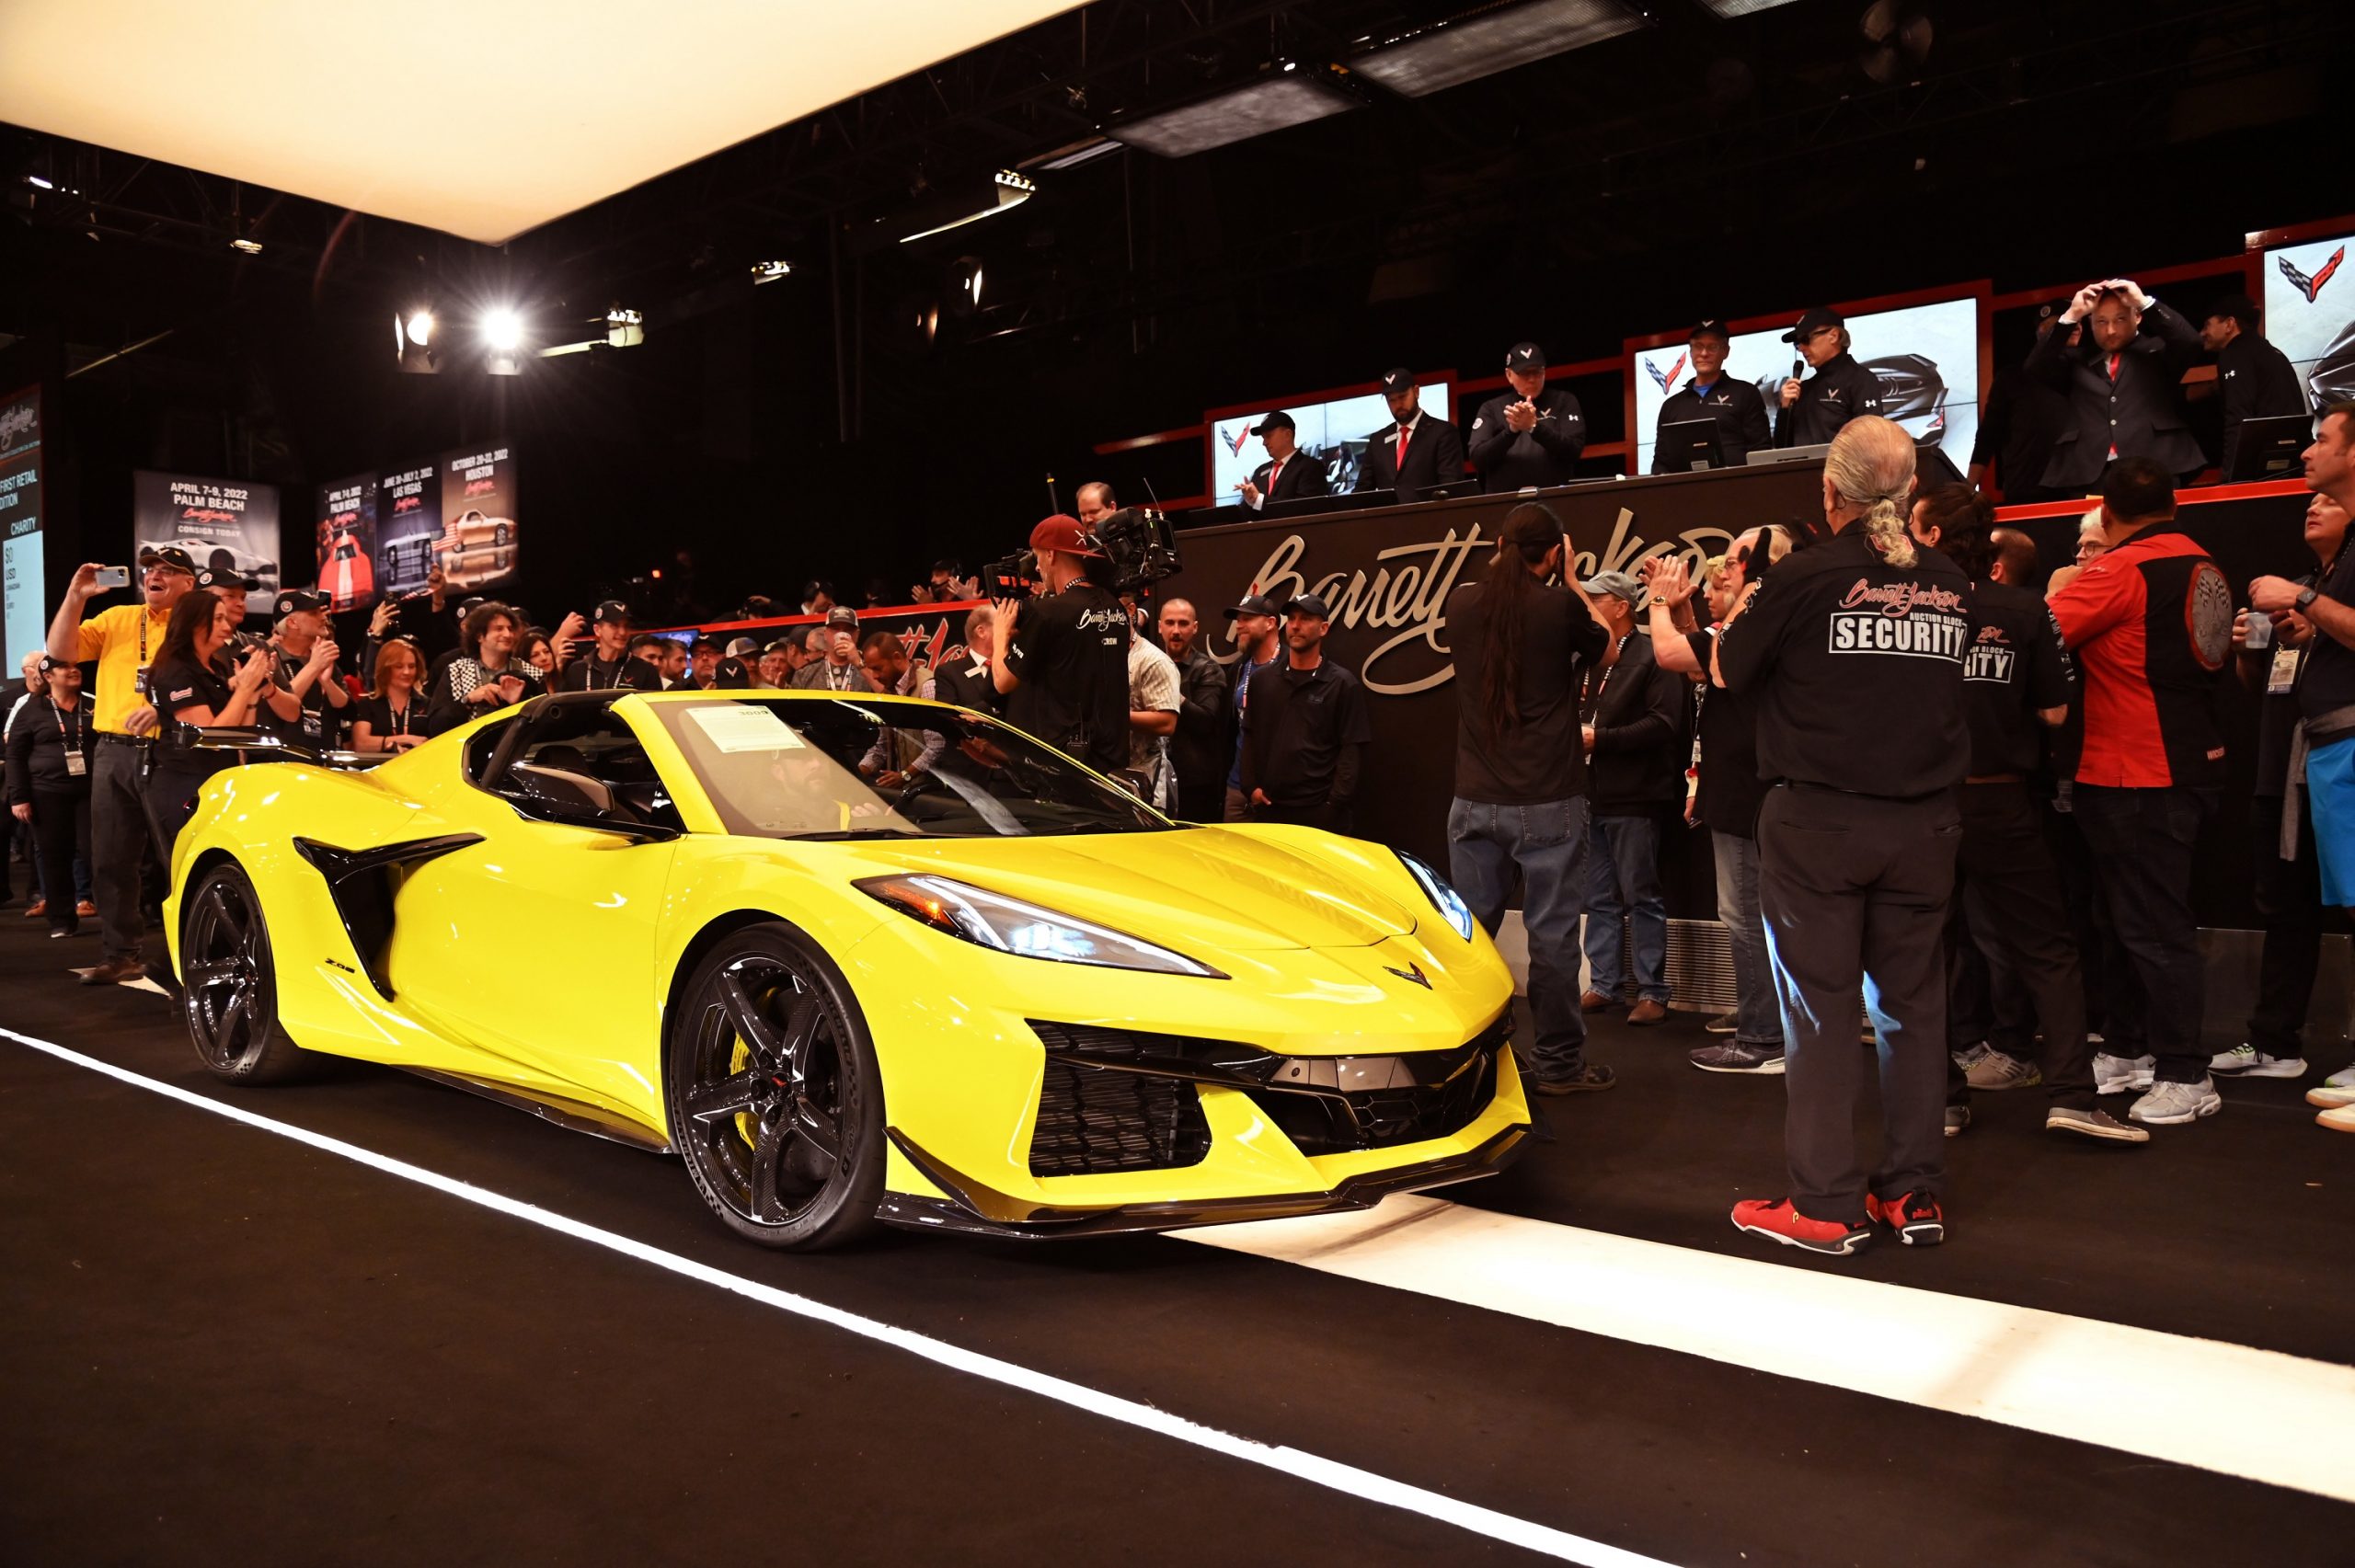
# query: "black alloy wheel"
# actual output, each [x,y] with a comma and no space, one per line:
[230,983]
[774,1097]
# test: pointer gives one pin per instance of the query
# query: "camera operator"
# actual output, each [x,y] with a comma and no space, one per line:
[1064,673]
[609,666]
[1519,639]
[305,671]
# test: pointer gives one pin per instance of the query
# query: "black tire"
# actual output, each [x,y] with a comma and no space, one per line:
[773,1094]
[229,982]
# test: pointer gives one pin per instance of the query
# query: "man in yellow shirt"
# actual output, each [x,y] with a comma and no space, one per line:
[124,640]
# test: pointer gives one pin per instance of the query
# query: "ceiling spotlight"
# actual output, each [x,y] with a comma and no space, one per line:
[35,180]
[420,327]
[625,329]
[250,247]
[1006,191]
[502,331]
[770,271]
[412,343]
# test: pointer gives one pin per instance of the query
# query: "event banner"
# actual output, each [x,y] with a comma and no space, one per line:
[408,521]
[345,538]
[477,544]
[2310,313]
[23,623]
[226,524]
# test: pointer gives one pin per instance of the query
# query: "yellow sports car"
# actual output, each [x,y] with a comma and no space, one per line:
[855,959]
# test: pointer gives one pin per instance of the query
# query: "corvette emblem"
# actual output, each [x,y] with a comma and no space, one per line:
[1411,972]
[2311,286]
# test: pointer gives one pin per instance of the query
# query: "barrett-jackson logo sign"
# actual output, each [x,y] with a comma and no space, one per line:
[1400,594]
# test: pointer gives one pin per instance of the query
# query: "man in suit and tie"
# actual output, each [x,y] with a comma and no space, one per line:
[1416,450]
[1289,473]
[2122,385]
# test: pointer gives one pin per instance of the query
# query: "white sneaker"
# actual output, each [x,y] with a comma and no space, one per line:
[2248,1061]
[2172,1104]
[2340,1120]
[1971,1056]
[2330,1099]
[2343,1079]
[2116,1075]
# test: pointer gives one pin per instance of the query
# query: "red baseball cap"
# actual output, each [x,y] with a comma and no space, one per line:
[1063,535]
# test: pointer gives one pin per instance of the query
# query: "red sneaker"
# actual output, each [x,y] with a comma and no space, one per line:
[1915,1218]
[1776,1219]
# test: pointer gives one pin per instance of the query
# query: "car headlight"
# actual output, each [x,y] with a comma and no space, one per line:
[1009,925]
[1444,898]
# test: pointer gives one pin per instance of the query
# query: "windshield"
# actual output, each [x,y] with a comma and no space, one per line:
[853,768]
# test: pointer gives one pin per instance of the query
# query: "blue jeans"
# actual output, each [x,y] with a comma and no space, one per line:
[1622,874]
[1758,1016]
[1545,841]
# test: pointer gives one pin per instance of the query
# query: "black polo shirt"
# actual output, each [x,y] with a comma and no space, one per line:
[1857,665]
[1071,654]
[2017,664]
[2326,679]
[1300,721]
[1729,792]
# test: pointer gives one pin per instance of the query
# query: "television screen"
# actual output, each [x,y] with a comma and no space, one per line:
[1335,431]
[24,619]
[2310,314]
[1926,356]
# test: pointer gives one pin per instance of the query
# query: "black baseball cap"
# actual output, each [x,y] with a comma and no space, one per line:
[1526,358]
[170,556]
[1812,323]
[1709,326]
[295,600]
[1308,604]
[1254,604]
[730,675]
[2240,307]
[51,661]
[701,643]
[230,582]
[1278,420]
[469,605]
[609,612]
[1397,381]
[842,616]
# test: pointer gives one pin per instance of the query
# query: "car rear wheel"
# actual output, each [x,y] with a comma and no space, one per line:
[774,1096]
[230,983]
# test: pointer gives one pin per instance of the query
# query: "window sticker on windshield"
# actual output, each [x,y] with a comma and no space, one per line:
[744,726]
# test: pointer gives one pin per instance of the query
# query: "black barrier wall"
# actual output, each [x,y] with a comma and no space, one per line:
[1387,573]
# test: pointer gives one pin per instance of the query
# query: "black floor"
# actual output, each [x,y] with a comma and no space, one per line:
[218,1344]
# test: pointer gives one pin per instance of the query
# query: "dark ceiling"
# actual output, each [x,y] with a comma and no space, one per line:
[1697,166]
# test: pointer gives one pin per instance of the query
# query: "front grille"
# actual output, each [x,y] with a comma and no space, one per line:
[1324,1104]
[1094,1119]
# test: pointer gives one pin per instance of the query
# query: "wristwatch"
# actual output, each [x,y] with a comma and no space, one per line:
[2305,597]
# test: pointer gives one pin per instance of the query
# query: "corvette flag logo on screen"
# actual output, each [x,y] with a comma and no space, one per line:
[2311,286]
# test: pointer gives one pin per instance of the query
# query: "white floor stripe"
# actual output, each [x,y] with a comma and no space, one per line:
[1348,1479]
[2258,1414]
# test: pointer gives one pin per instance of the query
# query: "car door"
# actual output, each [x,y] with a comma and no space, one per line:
[535,947]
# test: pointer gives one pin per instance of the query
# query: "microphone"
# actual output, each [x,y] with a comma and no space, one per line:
[1798,366]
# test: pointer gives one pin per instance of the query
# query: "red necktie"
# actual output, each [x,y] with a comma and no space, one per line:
[2113,381]
[1404,435]
[2113,367]
[1273,469]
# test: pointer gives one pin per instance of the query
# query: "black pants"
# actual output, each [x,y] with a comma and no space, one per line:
[1855,891]
[2012,893]
[61,831]
[2289,899]
[119,838]
[2143,841]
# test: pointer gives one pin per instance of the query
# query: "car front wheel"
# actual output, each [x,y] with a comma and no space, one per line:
[231,983]
[774,1097]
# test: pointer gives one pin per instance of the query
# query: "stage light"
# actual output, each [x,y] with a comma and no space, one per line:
[965,282]
[1007,191]
[1453,52]
[770,271]
[35,180]
[1729,10]
[1275,102]
[250,247]
[420,328]
[625,329]
[502,331]
[413,342]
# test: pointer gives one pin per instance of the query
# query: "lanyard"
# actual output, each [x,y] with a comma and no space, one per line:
[69,729]
[397,723]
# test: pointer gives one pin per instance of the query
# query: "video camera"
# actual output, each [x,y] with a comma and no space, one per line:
[1138,544]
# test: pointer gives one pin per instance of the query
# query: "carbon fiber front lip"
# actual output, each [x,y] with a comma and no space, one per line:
[974,1208]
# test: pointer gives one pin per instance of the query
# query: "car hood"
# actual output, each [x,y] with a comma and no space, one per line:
[1206,885]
